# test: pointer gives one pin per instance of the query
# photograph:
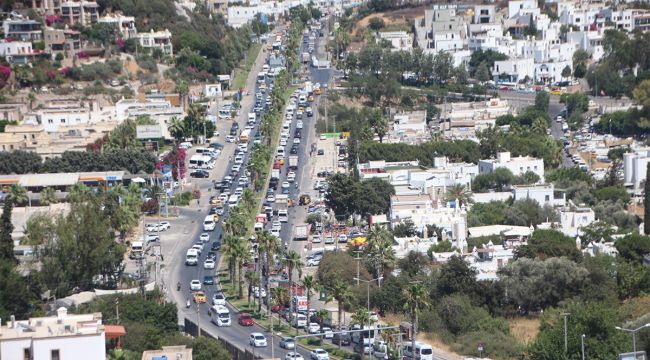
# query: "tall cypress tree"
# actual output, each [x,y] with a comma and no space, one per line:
[6,228]
[646,202]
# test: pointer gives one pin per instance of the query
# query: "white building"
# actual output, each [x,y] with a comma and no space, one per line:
[124,24]
[409,128]
[573,219]
[157,40]
[74,337]
[521,7]
[399,40]
[23,30]
[240,15]
[517,165]
[422,211]
[17,52]
[464,119]
[635,167]
[589,41]
[444,28]
[543,194]
[66,112]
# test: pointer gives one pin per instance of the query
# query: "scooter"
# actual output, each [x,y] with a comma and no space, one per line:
[188,304]
[178,286]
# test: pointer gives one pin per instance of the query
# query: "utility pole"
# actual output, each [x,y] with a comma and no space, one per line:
[358,258]
[198,320]
[566,315]
[582,346]
[117,310]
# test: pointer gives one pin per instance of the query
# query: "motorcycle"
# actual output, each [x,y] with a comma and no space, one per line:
[178,286]
[188,304]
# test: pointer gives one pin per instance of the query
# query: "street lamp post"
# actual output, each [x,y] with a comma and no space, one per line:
[368,289]
[633,331]
[582,346]
[565,331]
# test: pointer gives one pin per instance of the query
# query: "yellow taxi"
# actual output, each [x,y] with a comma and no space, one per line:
[199,297]
[262,86]
[301,109]
[317,91]
[216,218]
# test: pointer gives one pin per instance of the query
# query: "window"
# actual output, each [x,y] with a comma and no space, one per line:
[55,355]
[27,354]
[50,121]
[547,198]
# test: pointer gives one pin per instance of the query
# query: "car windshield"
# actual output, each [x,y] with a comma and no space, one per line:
[426,351]
[259,337]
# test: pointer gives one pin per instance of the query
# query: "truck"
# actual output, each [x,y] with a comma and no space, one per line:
[245,136]
[301,303]
[281,207]
[301,231]
[309,87]
[306,57]
[293,162]
[275,173]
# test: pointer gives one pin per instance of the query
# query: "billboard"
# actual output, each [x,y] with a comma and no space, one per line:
[148,132]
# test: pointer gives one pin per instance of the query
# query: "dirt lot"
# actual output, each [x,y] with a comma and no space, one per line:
[393,19]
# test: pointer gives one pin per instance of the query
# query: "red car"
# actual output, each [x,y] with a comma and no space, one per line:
[245,319]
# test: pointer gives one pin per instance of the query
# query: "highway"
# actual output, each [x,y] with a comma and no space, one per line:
[178,272]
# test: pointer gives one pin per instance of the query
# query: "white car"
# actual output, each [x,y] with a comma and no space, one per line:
[198,247]
[293,356]
[283,142]
[296,141]
[209,264]
[313,328]
[257,340]
[152,227]
[195,285]
[218,299]
[319,354]
[276,233]
[230,139]
[328,333]
[313,262]
[164,225]
[291,176]
[270,198]
[204,237]
[242,147]
[286,185]
[299,124]
[323,137]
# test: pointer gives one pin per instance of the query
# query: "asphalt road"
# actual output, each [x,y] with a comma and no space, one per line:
[178,272]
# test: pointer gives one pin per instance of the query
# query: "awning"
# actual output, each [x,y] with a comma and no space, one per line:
[45,180]
[113,331]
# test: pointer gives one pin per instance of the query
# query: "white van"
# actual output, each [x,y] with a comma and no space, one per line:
[203,150]
[283,215]
[208,223]
[233,200]
[279,151]
[196,161]
[299,320]
[422,351]
[192,257]
[137,247]
[251,118]
[265,67]
[220,315]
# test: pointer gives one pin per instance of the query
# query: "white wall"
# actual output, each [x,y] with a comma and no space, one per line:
[72,348]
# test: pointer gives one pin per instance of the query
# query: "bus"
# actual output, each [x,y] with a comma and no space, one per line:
[245,136]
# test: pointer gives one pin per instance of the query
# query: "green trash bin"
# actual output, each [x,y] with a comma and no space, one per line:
[322,295]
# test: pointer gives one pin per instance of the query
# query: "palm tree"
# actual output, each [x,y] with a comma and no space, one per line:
[293,262]
[380,249]
[48,196]
[79,193]
[241,255]
[342,293]
[248,199]
[269,245]
[309,283]
[228,250]
[322,315]
[280,296]
[417,298]
[252,280]
[18,194]
[176,128]
[183,89]
[362,318]
[459,192]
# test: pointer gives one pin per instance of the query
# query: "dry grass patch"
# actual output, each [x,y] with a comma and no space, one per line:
[524,329]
